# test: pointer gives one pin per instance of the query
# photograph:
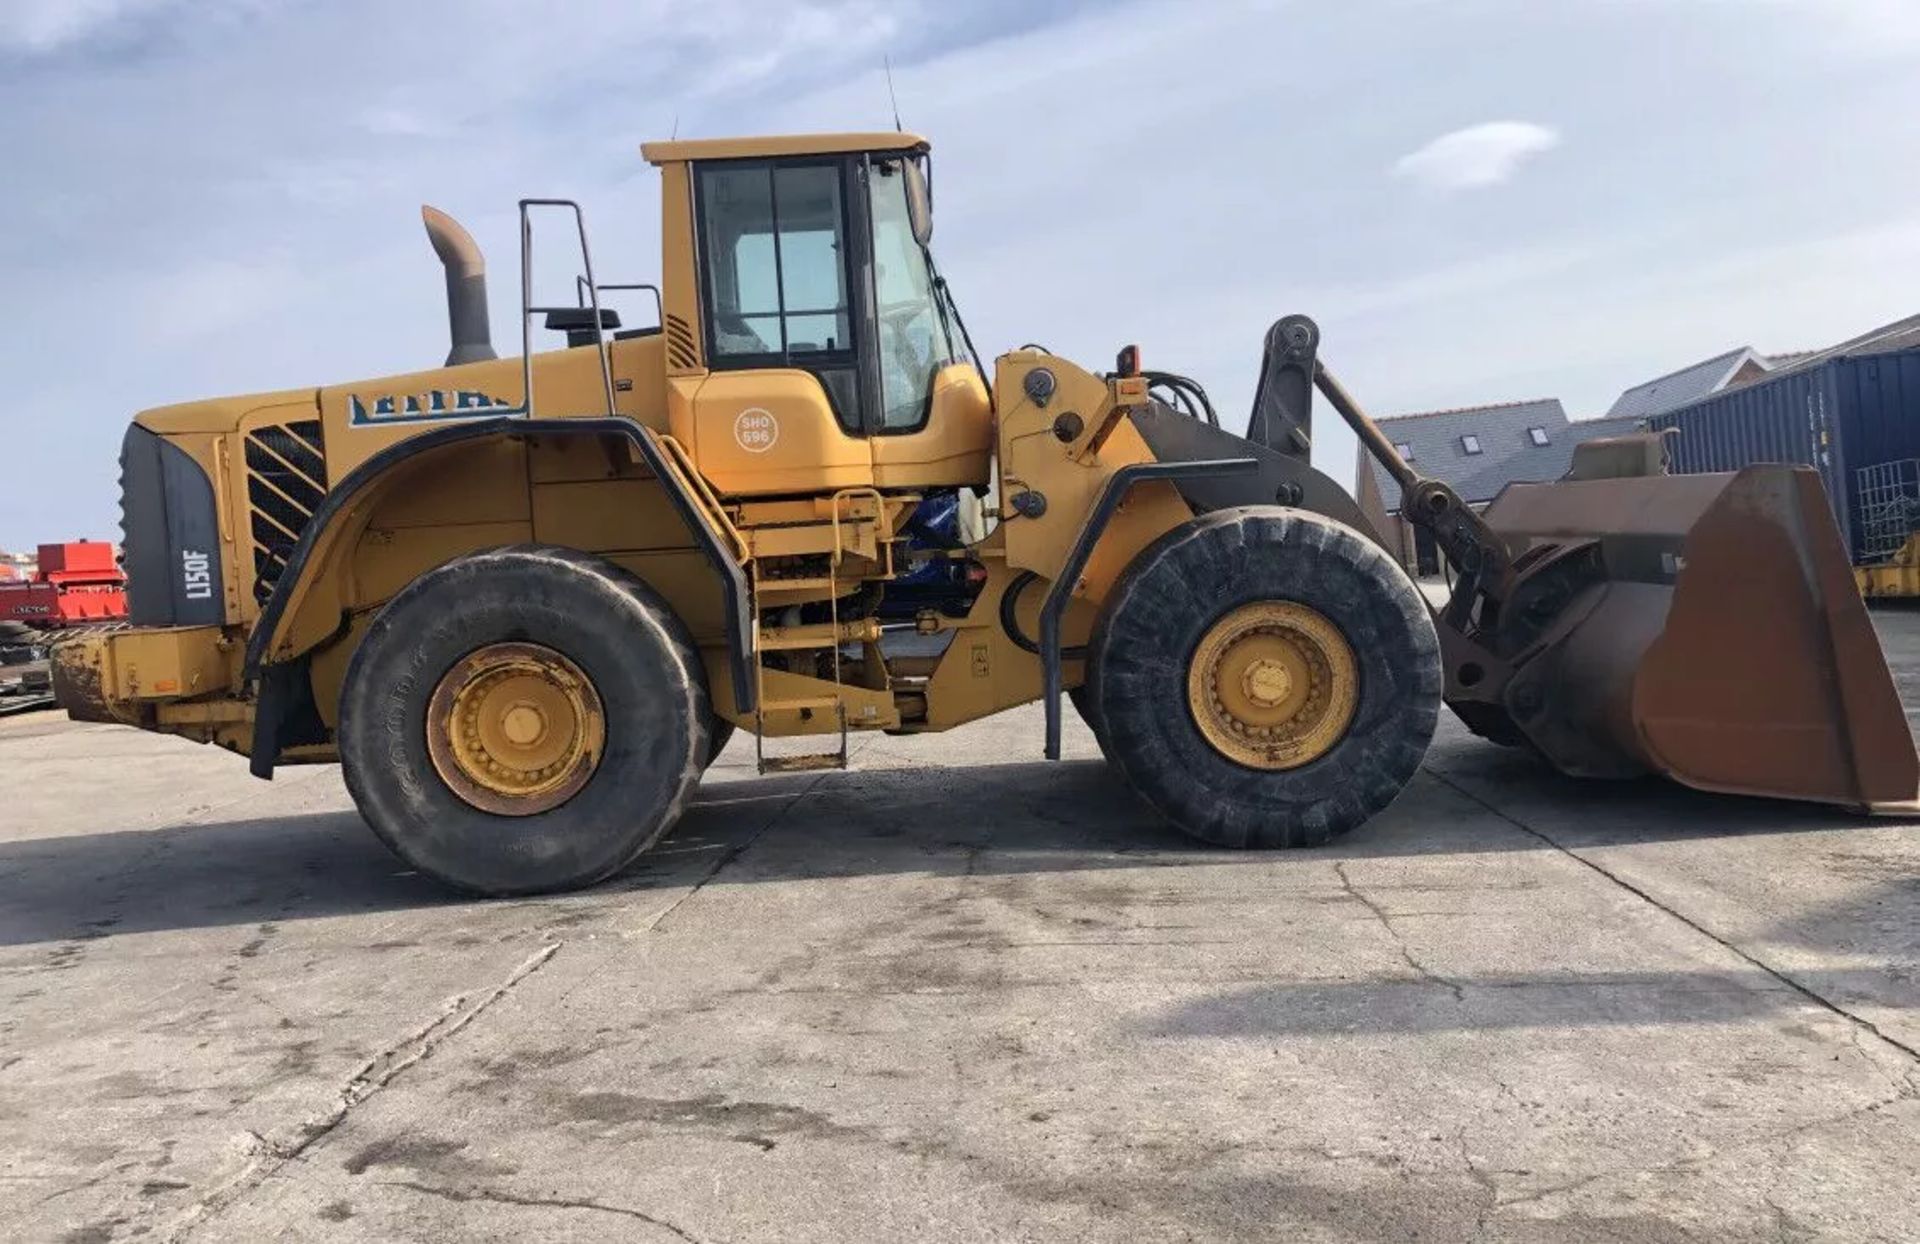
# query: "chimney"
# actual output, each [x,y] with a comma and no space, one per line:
[466,287]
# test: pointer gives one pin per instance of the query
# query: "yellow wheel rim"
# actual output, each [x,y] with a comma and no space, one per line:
[1273,685]
[515,729]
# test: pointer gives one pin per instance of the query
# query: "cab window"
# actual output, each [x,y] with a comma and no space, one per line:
[912,333]
[773,242]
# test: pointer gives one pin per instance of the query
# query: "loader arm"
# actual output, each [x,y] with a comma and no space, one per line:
[1486,581]
[1282,422]
[1428,503]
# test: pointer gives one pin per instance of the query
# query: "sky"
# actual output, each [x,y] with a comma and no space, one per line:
[1478,200]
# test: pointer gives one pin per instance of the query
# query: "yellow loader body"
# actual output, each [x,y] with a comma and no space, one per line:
[525,600]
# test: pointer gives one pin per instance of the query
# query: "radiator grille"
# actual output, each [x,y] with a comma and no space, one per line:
[680,349]
[286,478]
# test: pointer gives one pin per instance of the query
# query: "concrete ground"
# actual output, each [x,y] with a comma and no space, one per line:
[957,994]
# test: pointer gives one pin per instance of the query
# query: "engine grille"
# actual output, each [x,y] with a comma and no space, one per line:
[286,478]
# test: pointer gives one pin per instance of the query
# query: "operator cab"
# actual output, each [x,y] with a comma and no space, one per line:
[814,263]
[829,350]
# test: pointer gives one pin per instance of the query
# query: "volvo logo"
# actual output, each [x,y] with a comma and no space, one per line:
[433,404]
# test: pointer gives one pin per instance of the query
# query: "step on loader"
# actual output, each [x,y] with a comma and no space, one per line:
[525,601]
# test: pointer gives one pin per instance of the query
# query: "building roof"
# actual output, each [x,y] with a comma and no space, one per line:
[1679,388]
[1540,465]
[1702,380]
[780,145]
[1899,335]
[1507,451]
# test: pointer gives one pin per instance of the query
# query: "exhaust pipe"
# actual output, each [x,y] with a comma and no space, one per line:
[466,287]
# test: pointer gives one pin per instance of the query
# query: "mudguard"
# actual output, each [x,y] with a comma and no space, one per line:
[1276,478]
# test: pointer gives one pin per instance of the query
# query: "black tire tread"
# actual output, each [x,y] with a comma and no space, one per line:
[1081,697]
[1185,581]
[575,599]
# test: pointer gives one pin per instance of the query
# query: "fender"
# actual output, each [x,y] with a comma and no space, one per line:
[1112,493]
[1277,478]
[733,577]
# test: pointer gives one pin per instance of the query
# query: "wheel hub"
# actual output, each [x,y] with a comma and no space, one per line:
[515,729]
[523,724]
[1273,685]
[1267,683]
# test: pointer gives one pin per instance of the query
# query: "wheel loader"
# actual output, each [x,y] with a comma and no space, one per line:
[524,601]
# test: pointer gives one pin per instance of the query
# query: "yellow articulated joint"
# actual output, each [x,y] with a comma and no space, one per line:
[819,635]
[1273,685]
[794,704]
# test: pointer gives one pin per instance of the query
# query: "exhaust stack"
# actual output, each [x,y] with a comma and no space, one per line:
[466,287]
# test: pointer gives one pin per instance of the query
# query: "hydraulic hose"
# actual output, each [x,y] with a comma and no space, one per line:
[953,309]
[1187,394]
[1010,621]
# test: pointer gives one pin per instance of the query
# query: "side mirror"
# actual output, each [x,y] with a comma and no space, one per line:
[919,201]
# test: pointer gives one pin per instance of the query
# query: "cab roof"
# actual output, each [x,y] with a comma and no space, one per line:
[780,145]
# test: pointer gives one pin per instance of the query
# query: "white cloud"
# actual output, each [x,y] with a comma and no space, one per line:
[401,123]
[232,248]
[40,26]
[1876,29]
[47,29]
[197,300]
[750,46]
[1477,156]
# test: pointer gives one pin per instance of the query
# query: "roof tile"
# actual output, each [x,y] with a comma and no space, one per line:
[1507,449]
[1678,388]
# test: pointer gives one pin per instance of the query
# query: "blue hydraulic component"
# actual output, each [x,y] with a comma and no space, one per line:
[941,583]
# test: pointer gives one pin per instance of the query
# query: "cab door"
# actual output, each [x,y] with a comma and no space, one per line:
[781,409]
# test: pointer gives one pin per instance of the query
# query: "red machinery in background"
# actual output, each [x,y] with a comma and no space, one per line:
[78,586]
[79,583]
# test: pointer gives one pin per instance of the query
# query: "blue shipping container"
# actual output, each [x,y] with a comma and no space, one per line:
[1838,417]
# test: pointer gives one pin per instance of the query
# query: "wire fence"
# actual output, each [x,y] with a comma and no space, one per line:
[1889,507]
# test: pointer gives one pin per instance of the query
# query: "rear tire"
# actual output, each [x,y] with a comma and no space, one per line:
[645,685]
[1179,591]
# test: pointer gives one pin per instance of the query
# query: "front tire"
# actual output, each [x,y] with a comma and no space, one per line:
[1081,697]
[522,720]
[1265,677]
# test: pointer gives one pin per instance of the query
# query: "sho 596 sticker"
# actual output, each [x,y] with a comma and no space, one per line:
[756,429]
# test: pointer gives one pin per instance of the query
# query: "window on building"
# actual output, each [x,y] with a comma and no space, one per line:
[1470,443]
[1404,450]
[1538,436]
